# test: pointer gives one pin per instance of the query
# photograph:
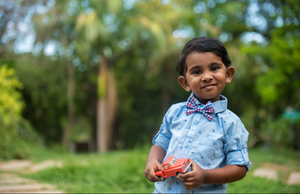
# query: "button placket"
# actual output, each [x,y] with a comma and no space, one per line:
[190,135]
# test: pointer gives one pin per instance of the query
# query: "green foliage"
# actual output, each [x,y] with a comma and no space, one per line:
[44,92]
[279,70]
[82,130]
[10,99]
[142,43]
[278,132]
[276,80]
[141,112]
[15,131]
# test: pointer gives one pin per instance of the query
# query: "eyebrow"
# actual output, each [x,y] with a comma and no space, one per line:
[216,63]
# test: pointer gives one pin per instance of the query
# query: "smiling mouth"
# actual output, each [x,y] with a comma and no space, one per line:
[208,86]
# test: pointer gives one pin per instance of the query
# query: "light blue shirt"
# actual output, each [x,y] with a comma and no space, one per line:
[211,144]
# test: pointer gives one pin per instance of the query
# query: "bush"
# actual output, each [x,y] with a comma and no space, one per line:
[17,135]
[278,132]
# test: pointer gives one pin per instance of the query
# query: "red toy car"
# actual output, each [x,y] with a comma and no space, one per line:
[173,166]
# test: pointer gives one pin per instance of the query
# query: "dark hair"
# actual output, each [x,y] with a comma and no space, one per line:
[202,45]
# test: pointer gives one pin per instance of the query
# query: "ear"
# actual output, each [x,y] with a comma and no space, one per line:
[184,84]
[229,74]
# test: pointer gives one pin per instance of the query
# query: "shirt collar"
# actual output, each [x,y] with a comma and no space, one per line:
[219,106]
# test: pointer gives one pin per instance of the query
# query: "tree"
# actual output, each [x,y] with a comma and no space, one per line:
[58,25]
[277,71]
[150,26]
[105,39]
[123,54]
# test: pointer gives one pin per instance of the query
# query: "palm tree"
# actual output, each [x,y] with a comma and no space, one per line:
[99,30]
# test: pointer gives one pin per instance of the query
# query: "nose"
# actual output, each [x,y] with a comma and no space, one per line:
[206,77]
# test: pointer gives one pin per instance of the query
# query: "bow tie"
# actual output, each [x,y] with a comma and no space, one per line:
[206,109]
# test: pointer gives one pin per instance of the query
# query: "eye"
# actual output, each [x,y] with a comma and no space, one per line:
[214,68]
[197,72]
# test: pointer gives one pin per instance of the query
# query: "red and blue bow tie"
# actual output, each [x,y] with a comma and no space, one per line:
[206,109]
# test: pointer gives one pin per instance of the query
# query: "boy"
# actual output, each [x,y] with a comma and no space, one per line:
[202,129]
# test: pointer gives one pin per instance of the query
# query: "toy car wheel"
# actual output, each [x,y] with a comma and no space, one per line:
[178,173]
[161,178]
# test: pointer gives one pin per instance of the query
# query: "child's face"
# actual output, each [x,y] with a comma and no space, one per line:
[206,76]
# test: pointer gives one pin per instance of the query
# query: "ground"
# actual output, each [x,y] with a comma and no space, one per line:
[12,183]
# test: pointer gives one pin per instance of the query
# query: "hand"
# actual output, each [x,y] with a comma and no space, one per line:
[193,178]
[150,169]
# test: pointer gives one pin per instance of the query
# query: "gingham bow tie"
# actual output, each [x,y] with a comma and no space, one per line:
[206,109]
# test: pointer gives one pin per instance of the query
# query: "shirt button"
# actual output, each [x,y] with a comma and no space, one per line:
[195,122]
[186,146]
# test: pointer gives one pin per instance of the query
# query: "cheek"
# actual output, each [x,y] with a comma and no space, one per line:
[195,80]
[222,78]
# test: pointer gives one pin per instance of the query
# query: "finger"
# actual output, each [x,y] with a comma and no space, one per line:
[189,183]
[179,177]
[152,178]
[189,187]
[156,179]
[189,180]
[186,175]
[185,179]
[158,166]
[193,165]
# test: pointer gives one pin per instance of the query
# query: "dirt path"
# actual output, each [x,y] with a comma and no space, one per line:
[271,171]
[12,183]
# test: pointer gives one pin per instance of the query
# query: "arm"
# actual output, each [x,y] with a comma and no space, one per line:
[198,176]
[155,157]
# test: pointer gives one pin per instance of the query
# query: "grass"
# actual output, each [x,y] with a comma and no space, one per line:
[123,172]
[117,171]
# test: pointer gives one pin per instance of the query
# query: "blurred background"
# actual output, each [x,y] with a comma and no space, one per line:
[99,75]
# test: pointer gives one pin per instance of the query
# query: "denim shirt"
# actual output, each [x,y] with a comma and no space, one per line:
[210,144]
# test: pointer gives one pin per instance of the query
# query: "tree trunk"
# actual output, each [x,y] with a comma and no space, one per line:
[71,106]
[105,106]
[101,126]
[111,105]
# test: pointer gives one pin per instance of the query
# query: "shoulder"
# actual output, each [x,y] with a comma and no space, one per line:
[175,108]
[178,105]
[229,118]
[229,115]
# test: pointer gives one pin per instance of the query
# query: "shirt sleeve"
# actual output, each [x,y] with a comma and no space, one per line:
[236,145]
[162,138]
